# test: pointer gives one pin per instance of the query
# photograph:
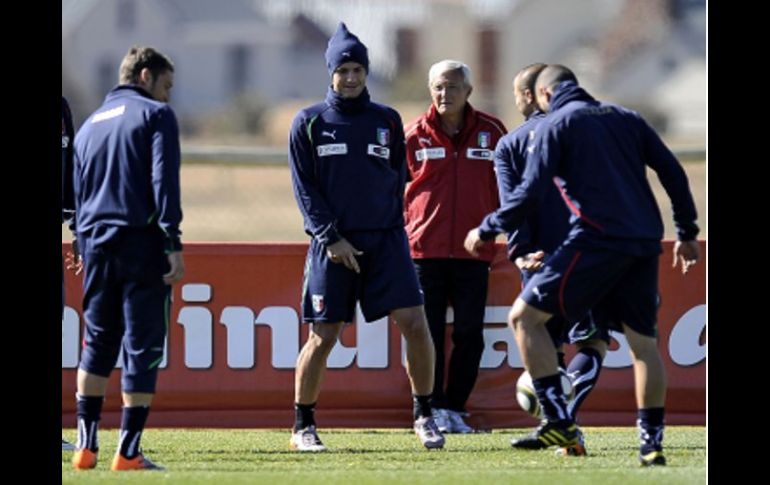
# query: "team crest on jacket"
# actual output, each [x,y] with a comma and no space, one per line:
[383,136]
[318,303]
[484,139]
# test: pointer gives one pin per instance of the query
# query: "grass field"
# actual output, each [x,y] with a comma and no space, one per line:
[360,457]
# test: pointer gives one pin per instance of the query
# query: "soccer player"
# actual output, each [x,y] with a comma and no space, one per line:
[449,152]
[348,173]
[536,239]
[128,211]
[67,200]
[609,260]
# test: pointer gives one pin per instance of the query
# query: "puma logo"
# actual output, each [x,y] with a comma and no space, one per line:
[536,292]
[330,134]
[424,141]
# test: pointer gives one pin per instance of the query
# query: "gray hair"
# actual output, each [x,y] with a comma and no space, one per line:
[447,65]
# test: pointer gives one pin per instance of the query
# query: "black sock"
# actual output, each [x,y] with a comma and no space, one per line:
[551,397]
[303,416]
[651,426]
[131,427]
[584,369]
[421,406]
[89,411]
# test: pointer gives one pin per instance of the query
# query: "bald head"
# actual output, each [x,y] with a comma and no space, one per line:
[549,77]
[554,74]
[525,79]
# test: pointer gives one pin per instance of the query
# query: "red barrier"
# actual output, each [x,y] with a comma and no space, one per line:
[235,334]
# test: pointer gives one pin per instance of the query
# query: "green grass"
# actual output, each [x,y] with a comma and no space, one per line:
[363,457]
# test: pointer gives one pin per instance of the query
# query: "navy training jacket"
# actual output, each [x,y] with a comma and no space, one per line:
[127,160]
[547,228]
[599,153]
[348,166]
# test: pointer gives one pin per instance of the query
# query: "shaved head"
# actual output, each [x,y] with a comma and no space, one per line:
[554,74]
[524,88]
[525,79]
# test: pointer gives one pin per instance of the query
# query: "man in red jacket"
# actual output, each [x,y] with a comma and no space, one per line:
[450,157]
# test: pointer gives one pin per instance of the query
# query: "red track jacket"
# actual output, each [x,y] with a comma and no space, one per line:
[453,186]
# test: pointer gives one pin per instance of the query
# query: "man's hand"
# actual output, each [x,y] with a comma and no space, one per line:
[176,261]
[473,242]
[73,260]
[531,261]
[687,253]
[344,252]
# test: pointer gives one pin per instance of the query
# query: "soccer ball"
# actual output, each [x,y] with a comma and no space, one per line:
[527,398]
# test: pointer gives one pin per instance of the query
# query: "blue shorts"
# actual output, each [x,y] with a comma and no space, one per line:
[387,280]
[620,288]
[126,305]
[587,328]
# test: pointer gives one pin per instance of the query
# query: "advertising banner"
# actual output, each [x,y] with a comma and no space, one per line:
[235,334]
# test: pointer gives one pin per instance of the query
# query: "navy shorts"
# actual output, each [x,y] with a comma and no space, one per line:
[587,328]
[387,280]
[618,287]
[126,306]
[590,327]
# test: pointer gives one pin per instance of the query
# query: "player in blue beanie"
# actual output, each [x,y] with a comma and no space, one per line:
[348,168]
[345,47]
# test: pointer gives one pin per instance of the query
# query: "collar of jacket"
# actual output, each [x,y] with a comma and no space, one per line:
[128,89]
[535,114]
[568,91]
[347,105]
[469,124]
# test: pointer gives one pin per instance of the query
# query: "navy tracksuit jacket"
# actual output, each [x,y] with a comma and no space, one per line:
[127,159]
[604,184]
[348,164]
[548,227]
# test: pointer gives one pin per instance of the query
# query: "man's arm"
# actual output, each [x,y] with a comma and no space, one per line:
[68,194]
[73,259]
[507,161]
[166,158]
[674,181]
[539,171]
[398,153]
[318,217]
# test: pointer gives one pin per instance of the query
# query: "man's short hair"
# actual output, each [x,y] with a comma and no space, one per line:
[139,57]
[447,65]
[528,75]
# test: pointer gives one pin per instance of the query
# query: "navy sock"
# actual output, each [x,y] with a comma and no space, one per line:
[651,426]
[304,416]
[89,411]
[584,369]
[551,397]
[131,427]
[421,406]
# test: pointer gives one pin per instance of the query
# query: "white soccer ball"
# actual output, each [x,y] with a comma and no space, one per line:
[527,398]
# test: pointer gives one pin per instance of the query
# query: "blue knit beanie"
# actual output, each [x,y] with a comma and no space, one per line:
[345,47]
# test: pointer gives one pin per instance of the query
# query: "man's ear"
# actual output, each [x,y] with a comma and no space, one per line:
[145,76]
[529,96]
[546,93]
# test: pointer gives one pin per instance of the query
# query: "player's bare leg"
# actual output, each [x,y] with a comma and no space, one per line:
[420,362]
